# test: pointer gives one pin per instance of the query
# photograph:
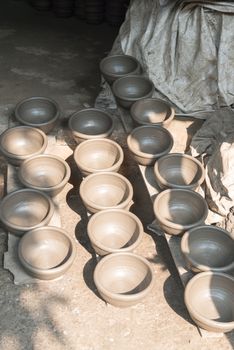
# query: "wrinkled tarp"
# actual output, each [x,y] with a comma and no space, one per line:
[187,50]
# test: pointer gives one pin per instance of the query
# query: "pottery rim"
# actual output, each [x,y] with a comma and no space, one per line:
[116,75]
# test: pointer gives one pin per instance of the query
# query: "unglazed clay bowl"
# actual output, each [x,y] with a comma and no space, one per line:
[22,142]
[178,170]
[209,300]
[123,279]
[208,248]
[25,209]
[114,230]
[131,88]
[149,142]
[38,112]
[46,252]
[45,172]
[92,156]
[178,210]
[106,190]
[90,123]
[152,111]
[116,66]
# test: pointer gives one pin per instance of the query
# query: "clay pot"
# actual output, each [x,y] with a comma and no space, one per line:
[25,209]
[94,11]
[152,111]
[79,9]
[47,252]
[116,66]
[179,210]
[38,112]
[90,123]
[131,88]
[115,11]
[46,172]
[114,230]
[123,279]
[149,142]
[96,155]
[209,300]
[106,190]
[22,142]
[63,8]
[208,248]
[177,170]
[41,5]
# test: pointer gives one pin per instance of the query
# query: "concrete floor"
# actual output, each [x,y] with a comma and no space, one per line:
[44,55]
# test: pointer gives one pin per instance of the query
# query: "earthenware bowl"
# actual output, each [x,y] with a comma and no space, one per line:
[90,123]
[46,172]
[178,170]
[131,88]
[38,112]
[208,248]
[22,142]
[25,209]
[178,210]
[152,111]
[123,279]
[149,142]
[114,230]
[106,190]
[116,66]
[92,156]
[209,300]
[46,252]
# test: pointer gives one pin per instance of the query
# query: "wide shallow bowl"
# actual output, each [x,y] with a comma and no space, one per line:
[22,142]
[208,248]
[92,156]
[178,170]
[46,252]
[116,66]
[106,190]
[123,279]
[25,209]
[38,112]
[90,123]
[209,300]
[152,111]
[179,210]
[45,172]
[149,142]
[131,88]
[114,230]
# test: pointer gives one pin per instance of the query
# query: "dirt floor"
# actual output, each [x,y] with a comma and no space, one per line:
[45,55]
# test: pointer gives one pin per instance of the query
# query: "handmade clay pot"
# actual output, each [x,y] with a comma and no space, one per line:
[106,190]
[152,111]
[178,170]
[90,123]
[123,279]
[208,248]
[179,210]
[116,66]
[209,300]
[22,142]
[38,112]
[25,209]
[96,155]
[47,252]
[114,230]
[149,142]
[131,88]
[45,172]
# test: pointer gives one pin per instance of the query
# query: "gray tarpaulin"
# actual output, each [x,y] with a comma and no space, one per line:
[187,49]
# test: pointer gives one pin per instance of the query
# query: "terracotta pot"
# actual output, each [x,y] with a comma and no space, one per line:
[114,230]
[123,279]
[208,248]
[209,300]
[47,252]
[22,142]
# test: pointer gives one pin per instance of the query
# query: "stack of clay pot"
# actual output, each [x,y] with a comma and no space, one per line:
[115,11]
[63,8]
[41,5]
